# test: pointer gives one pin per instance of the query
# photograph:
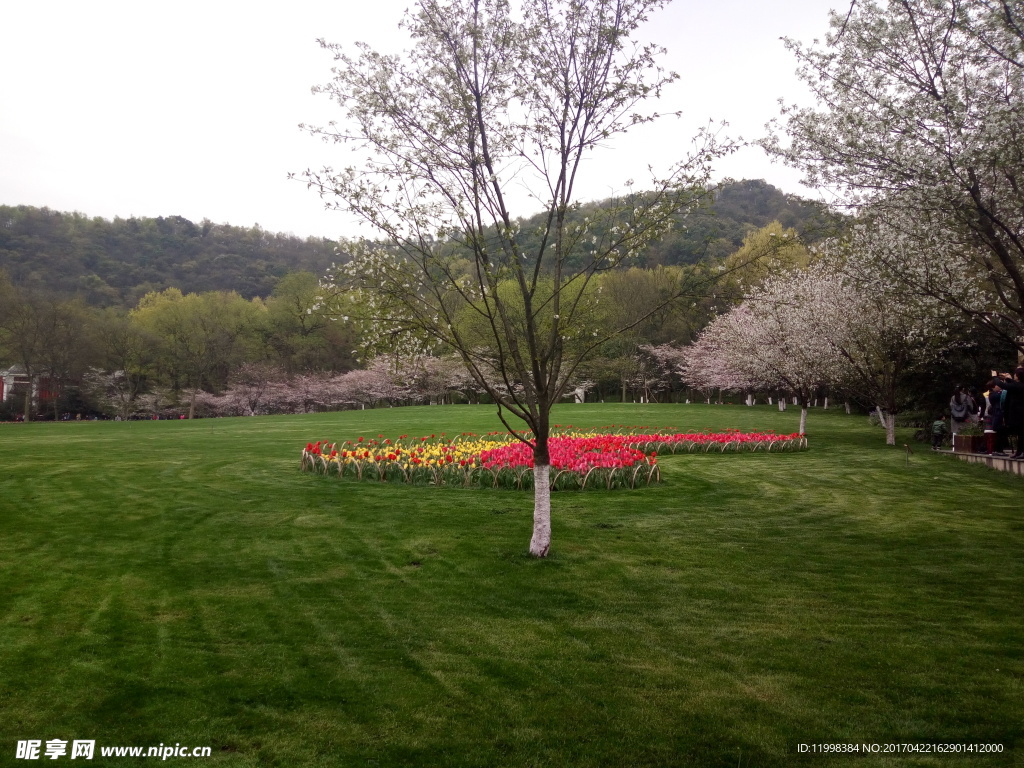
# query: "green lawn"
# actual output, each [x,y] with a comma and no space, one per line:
[182,582]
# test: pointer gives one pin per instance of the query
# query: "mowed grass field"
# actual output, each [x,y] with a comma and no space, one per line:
[182,582]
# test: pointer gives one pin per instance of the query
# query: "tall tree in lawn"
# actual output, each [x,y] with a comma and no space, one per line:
[486,120]
[921,114]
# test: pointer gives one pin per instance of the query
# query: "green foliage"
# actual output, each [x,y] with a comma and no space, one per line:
[306,334]
[204,337]
[43,335]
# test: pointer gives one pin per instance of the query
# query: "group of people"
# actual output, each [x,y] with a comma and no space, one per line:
[1000,410]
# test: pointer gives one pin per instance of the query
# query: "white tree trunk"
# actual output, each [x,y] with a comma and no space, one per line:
[541,541]
[803,420]
[848,409]
[826,403]
[887,420]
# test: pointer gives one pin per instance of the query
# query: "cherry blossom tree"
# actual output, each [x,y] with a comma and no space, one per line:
[770,341]
[830,325]
[921,117]
[707,364]
[488,113]
[654,371]
[311,392]
[881,332]
[250,385]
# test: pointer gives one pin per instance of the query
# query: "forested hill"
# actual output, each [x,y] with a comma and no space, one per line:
[117,262]
[741,207]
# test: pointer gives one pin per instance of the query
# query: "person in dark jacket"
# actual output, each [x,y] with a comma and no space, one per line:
[994,416]
[1013,408]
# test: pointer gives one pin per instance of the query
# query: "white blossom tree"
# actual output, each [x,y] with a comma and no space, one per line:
[881,332]
[489,112]
[770,341]
[434,378]
[921,116]
[830,325]
[310,392]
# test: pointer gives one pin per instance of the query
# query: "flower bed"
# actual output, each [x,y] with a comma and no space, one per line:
[579,459]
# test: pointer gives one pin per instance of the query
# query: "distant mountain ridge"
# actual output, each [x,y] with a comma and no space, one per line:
[117,262]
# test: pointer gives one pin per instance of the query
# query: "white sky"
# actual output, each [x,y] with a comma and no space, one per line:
[128,108]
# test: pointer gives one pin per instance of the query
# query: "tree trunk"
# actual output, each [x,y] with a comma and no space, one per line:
[541,541]
[28,401]
[888,420]
[803,420]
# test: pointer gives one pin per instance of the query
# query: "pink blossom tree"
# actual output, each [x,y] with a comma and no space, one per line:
[768,342]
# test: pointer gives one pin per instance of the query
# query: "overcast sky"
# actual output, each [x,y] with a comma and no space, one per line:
[128,108]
